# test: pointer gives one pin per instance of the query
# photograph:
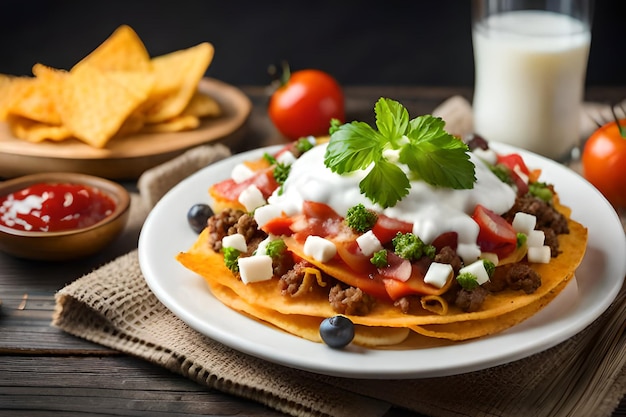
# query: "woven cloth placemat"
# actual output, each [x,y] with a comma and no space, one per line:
[113,306]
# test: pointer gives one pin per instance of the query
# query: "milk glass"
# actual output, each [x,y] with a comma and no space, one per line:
[530,61]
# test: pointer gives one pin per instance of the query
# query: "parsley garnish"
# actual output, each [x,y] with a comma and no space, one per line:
[231,255]
[280,172]
[430,153]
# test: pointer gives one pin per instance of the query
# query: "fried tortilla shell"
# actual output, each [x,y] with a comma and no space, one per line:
[301,315]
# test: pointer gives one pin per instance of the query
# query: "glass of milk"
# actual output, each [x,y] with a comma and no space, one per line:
[530,61]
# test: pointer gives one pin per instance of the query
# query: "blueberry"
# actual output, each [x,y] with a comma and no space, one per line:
[337,332]
[198,215]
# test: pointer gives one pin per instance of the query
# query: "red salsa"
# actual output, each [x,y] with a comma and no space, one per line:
[49,207]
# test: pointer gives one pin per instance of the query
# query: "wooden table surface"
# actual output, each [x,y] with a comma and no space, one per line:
[44,371]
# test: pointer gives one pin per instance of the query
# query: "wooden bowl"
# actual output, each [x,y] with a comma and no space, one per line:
[66,244]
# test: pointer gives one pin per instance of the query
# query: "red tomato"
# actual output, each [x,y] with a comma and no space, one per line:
[305,104]
[321,220]
[496,234]
[414,285]
[515,162]
[230,190]
[386,228]
[604,161]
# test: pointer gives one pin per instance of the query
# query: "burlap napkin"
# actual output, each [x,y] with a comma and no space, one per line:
[113,306]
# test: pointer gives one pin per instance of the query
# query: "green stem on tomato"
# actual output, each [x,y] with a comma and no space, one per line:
[621,128]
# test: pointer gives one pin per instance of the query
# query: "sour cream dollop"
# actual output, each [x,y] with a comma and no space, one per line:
[432,210]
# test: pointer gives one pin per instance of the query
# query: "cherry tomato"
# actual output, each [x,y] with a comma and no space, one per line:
[604,161]
[495,234]
[305,104]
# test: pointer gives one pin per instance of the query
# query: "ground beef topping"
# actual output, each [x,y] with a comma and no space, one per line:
[291,281]
[472,300]
[523,277]
[222,224]
[350,300]
[231,221]
[551,221]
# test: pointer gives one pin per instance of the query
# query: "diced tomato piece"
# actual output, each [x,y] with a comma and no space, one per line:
[414,285]
[230,190]
[512,161]
[450,239]
[279,226]
[322,220]
[495,233]
[397,267]
[386,228]
[351,254]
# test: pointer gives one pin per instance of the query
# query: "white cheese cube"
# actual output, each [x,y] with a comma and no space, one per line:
[261,249]
[320,249]
[286,158]
[539,254]
[369,243]
[236,241]
[524,222]
[241,172]
[255,268]
[438,274]
[478,270]
[264,214]
[536,238]
[252,198]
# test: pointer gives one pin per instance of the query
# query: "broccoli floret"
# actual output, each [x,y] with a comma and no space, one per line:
[360,218]
[410,246]
[230,258]
[379,259]
[467,281]
[275,248]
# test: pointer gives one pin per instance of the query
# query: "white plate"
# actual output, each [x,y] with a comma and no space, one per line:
[597,282]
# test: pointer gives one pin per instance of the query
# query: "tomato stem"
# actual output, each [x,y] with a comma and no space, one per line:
[621,128]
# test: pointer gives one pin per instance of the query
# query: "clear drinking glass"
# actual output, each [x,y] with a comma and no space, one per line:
[530,61]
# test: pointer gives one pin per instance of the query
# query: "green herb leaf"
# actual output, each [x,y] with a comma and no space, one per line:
[437,157]
[429,152]
[231,255]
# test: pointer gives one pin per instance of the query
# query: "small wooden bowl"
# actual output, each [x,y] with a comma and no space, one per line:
[66,244]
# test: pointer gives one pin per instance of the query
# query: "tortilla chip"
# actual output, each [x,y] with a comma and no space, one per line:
[202,105]
[34,131]
[176,124]
[307,327]
[94,104]
[122,50]
[177,75]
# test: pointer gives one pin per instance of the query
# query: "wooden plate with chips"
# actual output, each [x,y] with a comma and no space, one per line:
[126,157]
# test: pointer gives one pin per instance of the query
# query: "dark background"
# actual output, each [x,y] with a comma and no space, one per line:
[393,42]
